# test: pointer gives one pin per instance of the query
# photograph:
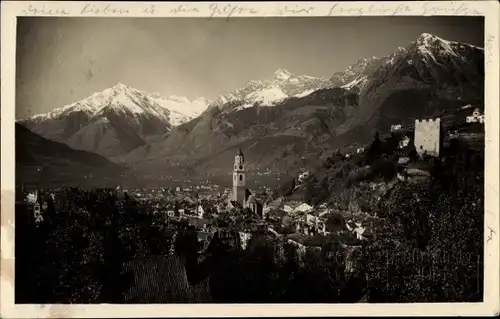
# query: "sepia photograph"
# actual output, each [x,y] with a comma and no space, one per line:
[251,160]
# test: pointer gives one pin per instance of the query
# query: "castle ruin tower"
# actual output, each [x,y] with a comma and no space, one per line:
[428,136]
[239,188]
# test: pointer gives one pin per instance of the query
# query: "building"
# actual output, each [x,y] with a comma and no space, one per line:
[303,208]
[395,128]
[221,208]
[428,136]
[302,177]
[37,213]
[252,204]
[200,211]
[240,197]
[404,142]
[239,181]
[476,117]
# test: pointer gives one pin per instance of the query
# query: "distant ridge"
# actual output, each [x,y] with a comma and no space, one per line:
[45,161]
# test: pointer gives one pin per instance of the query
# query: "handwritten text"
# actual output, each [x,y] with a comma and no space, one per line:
[489,47]
[229,10]
[103,9]
[42,10]
[296,10]
[366,10]
[462,9]
[490,236]
[184,8]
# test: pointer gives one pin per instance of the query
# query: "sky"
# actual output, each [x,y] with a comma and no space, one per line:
[63,60]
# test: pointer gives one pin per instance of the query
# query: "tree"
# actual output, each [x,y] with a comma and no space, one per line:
[375,149]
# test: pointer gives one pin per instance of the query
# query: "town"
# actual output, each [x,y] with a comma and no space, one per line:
[209,208]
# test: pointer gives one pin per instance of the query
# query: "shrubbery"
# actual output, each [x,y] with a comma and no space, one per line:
[430,248]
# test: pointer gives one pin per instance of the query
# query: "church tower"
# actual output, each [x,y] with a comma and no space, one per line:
[239,188]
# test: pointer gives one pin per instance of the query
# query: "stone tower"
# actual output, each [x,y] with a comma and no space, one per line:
[428,136]
[239,188]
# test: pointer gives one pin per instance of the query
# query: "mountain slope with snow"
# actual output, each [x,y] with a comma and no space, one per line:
[428,76]
[425,78]
[355,76]
[269,92]
[115,121]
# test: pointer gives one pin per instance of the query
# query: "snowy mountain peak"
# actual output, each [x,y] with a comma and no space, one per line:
[269,92]
[180,99]
[282,74]
[425,36]
[122,98]
[427,39]
[121,87]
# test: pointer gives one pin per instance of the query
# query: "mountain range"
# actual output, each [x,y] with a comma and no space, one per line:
[269,92]
[115,121]
[283,123]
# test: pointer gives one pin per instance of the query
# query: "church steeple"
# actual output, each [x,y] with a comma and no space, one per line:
[239,179]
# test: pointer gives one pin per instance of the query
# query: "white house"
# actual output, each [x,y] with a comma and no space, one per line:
[221,208]
[287,208]
[310,219]
[350,226]
[303,208]
[395,128]
[200,211]
[272,231]
[476,117]
[266,210]
[36,210]
[323,212]
[244,238]
[362,233]
[303,176]
[401,177]
[403,160]
[39,219]
[32,198]
[404,142]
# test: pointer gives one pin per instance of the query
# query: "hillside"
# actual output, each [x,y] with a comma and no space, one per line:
[42,161]
[292,133]
[419,210]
